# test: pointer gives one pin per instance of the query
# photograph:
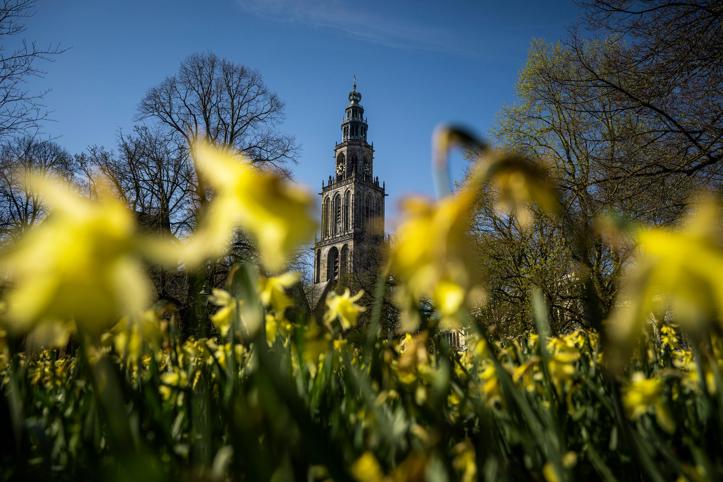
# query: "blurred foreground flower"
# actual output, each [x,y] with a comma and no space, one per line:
[675,270]
[275,212]
[79,264]
[430,250]
[518,183]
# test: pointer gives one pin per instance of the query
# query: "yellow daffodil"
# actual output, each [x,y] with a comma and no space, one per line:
[684,361]
[464,461]
[668,337]
[413,357]
[527,374]
[641,395]
[344,308]
[277,325]
[273,291]
[430,250]
[491,389]
[276,213]
[79,264]
[224,317]
[677,270]
[409,319]
[219,353]
[367,469]
[314,347]
[129,336]
[170,380]
[271,327]
[563,357]
[194,352]
[518,183]
[550,472]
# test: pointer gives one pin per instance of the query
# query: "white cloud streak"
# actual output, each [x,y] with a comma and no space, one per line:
[357,20]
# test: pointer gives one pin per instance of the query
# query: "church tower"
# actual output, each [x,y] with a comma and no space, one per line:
[352,207]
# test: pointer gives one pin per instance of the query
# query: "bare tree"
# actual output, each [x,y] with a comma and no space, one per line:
[153,173]
[667,68]
[227,102]
[18,210]
[20,110]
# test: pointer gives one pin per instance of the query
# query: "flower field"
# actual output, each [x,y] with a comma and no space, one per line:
[98,382]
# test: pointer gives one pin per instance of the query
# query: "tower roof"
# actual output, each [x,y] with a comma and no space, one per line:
[354,95]
[354,126]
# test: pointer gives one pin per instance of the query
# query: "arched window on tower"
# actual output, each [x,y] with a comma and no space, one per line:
[325,219]
[332,264]
[347,199]
[337,214]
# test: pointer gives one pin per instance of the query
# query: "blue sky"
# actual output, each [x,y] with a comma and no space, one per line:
[418,64]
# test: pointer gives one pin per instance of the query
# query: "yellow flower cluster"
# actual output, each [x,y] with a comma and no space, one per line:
[49,369]
[563,357]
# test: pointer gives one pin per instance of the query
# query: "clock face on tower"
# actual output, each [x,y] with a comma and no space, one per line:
[340,168]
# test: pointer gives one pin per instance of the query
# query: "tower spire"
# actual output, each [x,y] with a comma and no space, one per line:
[354,126]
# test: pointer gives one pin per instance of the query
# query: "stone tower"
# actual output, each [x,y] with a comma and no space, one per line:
[352,207]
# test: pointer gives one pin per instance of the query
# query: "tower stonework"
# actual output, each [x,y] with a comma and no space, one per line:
[352,208]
